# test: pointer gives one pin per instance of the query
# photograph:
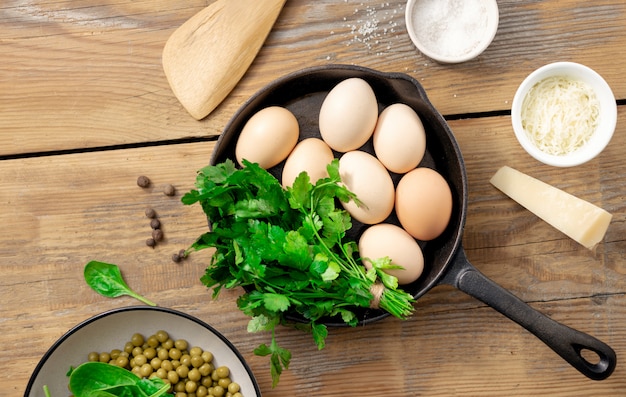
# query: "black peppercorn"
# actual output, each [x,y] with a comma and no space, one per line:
[150,213]
[155,224]
[176,258]
[150,242]
[169,190]
[143,181]
[157,235]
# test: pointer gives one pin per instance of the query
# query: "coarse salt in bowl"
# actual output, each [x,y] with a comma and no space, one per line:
[452,31]
[580,97]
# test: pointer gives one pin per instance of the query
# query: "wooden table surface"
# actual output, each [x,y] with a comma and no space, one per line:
[85,109]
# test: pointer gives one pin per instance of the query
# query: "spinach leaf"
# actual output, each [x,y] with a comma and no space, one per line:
[96,379]
[106,279]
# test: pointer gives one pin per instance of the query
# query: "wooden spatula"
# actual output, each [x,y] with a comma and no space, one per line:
[207,56]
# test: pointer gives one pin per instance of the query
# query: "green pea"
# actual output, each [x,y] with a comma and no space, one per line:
[181,344]
[162,336]
[105,357]
[175,354]
[137,339]
[93,356]
[233,388]
[222,371]
[140,360]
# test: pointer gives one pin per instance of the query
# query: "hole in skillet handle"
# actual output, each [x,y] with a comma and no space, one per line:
[599,363]
[590,356]
[303,92]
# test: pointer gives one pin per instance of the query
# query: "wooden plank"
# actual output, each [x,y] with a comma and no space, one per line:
[84,74]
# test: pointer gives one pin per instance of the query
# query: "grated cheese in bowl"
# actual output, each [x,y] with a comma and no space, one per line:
[560,114]
[564,114]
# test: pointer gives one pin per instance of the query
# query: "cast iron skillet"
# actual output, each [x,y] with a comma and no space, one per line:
[303,92]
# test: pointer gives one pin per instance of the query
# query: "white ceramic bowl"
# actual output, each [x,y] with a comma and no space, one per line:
[112,329]
[452,31]
[607,117]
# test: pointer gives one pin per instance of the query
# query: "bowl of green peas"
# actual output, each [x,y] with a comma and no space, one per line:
[143,351]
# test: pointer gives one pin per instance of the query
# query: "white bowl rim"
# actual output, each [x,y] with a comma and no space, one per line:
[490,34]
[108,313]
[608,113]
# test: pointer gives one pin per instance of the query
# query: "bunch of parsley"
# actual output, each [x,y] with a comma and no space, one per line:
[286,247]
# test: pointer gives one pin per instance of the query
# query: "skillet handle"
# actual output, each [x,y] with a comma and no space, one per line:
[565,341]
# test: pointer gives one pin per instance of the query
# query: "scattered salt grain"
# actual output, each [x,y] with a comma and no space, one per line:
[374,26]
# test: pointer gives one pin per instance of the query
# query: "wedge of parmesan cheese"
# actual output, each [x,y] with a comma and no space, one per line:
[576,218]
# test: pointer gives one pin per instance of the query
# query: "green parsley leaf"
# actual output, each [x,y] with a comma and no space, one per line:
[320,332]
[276,302]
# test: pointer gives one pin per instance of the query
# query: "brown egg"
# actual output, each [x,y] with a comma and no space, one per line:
[399,138]
[366,177]
[423,203]
[311,155]
[387,240]
[268,137]
[348,115]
